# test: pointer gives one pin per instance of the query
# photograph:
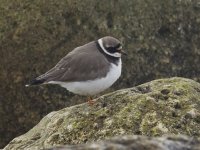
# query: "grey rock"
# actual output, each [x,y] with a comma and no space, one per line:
[136,142]
[159,107]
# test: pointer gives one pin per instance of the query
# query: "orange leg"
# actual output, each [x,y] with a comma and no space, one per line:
[90,101]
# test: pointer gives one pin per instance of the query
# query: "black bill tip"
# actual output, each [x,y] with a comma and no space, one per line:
[123,52]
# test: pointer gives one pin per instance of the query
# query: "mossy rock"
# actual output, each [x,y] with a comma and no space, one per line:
[165,106]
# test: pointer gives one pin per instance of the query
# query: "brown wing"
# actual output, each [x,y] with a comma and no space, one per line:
[78,66]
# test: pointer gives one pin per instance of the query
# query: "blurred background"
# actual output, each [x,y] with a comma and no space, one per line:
[162,39]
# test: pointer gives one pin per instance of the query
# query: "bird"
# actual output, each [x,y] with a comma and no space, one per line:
[88,69]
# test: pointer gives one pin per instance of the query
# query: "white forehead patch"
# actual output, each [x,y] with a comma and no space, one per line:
[116,54]
[119,48]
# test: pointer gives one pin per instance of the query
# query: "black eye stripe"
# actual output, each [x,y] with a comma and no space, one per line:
[118,45]
[111,49]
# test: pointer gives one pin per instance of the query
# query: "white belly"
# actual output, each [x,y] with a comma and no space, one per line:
[92,87]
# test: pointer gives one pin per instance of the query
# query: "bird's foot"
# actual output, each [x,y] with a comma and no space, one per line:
[90,101]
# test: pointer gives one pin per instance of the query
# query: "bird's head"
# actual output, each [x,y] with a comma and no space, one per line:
[111,46]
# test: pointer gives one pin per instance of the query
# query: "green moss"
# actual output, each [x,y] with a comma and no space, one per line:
[165,106]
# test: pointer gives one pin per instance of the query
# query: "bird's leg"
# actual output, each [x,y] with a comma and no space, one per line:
[90,101]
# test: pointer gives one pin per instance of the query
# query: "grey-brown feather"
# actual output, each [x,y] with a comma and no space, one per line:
[83,63]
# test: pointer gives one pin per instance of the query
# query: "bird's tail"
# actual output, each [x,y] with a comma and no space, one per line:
[35,82]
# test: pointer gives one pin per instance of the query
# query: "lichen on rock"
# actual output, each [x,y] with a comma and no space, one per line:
[164,106]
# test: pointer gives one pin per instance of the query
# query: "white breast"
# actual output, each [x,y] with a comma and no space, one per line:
[92,87]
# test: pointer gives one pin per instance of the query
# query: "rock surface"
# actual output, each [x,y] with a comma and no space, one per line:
[139,143]
[165,106]
[161,37]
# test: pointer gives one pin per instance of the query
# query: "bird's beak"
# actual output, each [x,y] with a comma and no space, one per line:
[123,52]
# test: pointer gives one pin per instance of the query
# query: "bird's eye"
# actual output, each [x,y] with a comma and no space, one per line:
[118,46]
[111,49]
